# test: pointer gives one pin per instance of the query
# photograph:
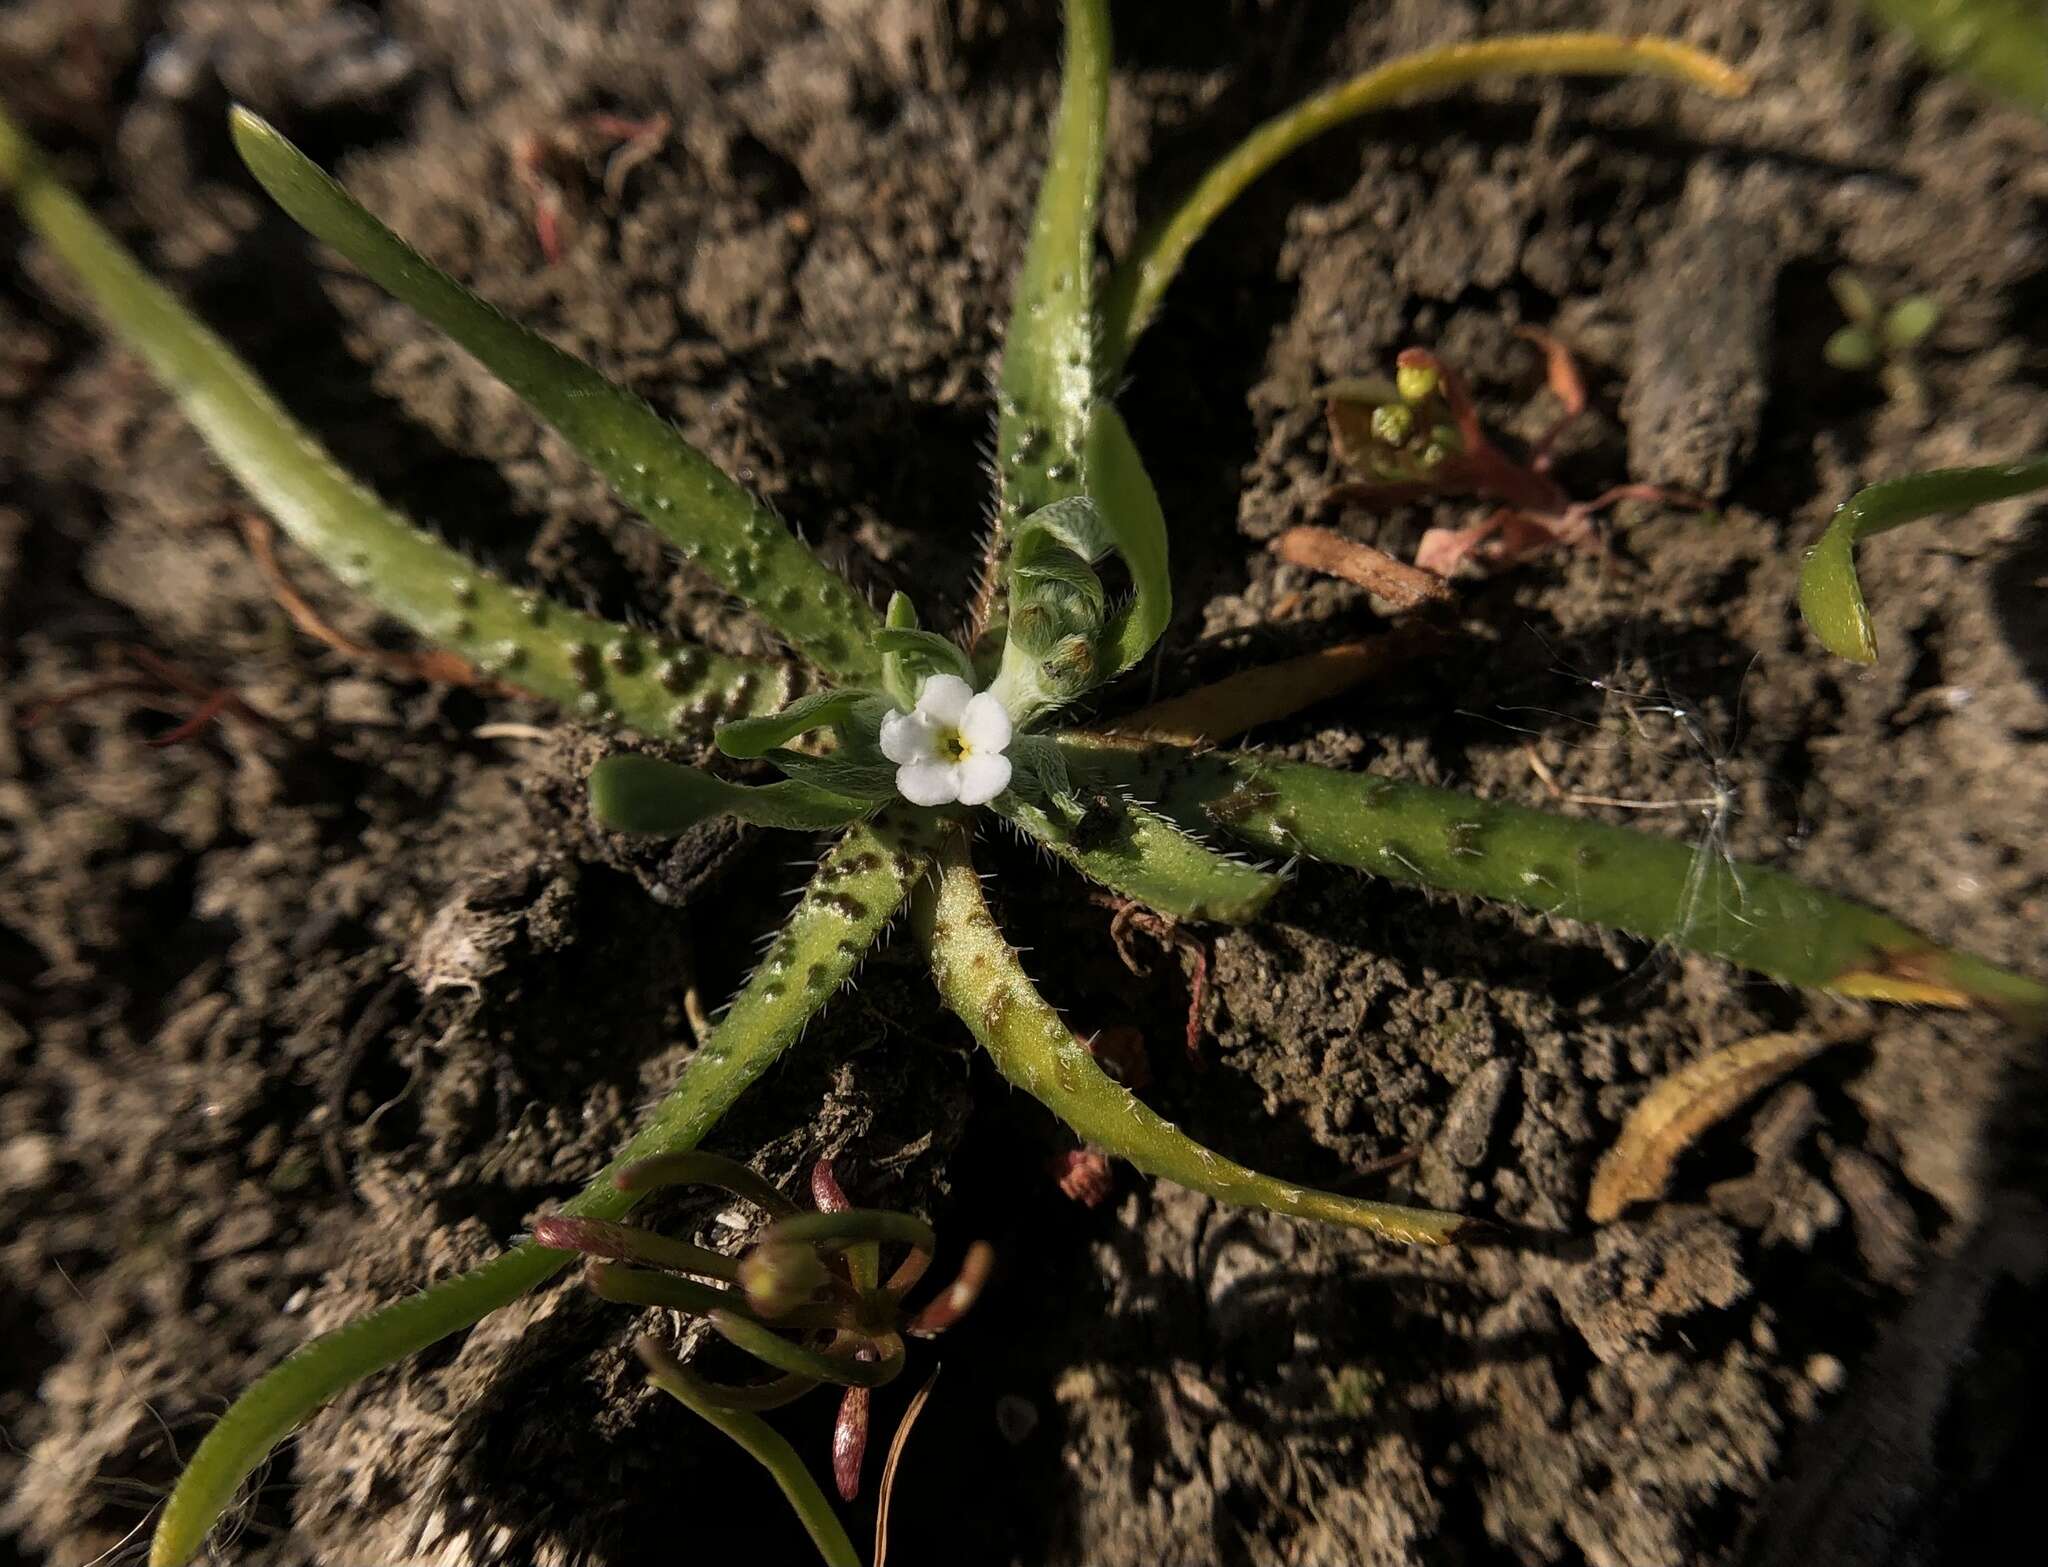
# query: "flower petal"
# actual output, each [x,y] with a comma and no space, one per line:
[906,737]
[943,699]
[982,777]
[985,726]
[932,782]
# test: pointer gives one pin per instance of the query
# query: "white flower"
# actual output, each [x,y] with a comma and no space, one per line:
[951,747]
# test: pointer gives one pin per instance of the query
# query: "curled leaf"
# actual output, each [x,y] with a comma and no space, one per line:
[1143,276]
[1141,854]
[982,981]
[1830,597]
[1674,1114]
[752,737]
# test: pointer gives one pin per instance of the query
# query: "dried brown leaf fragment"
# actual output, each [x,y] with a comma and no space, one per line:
[1674,1114]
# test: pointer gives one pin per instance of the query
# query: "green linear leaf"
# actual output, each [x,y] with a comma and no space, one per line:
[594,668]
[1047,388]
[644,794]
[982,981]
[683,494]
[1130,507]
[1142,278]
[1662,889]
[1831,598]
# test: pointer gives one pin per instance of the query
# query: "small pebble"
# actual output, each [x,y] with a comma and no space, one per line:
[1016,1418]
[1826,1373]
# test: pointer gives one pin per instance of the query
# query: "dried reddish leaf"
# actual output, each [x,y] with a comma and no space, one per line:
[850,1441]
[1084,1174]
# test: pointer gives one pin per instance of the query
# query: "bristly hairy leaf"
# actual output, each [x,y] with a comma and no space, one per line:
[683,494]
[753,737]
[981,980]
[1047,389]
[595,669]
[1139,853]
[1664,889]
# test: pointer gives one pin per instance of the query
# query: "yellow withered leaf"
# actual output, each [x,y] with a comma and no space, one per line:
[1673,1114]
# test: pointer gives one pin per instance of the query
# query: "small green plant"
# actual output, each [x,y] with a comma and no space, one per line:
[916,738]
[1882,338]
[1420,435]
[808,1300]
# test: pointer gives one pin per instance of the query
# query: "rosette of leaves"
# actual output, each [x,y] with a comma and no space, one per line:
[1074,513]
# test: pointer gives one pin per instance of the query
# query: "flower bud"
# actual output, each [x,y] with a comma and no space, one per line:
[1416,383]
[1393,423]
[779,1276]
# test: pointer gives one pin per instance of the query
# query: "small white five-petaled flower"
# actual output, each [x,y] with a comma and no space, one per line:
[951,747]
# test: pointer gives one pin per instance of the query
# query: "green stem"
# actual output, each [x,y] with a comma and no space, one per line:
[1831,598]
[850,1226]
[767,1446]
[594,668]
[1664,889]
[684,495]
[980,978]
[840,1366]
[705,1169]
[848,903]
[786,1389]
[629,1243]
[1144,275]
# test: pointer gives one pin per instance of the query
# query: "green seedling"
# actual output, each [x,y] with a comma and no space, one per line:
[2001,45]
[1420,435]
[1882,339]
[906,743]
[1831,598]
[808,1300]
